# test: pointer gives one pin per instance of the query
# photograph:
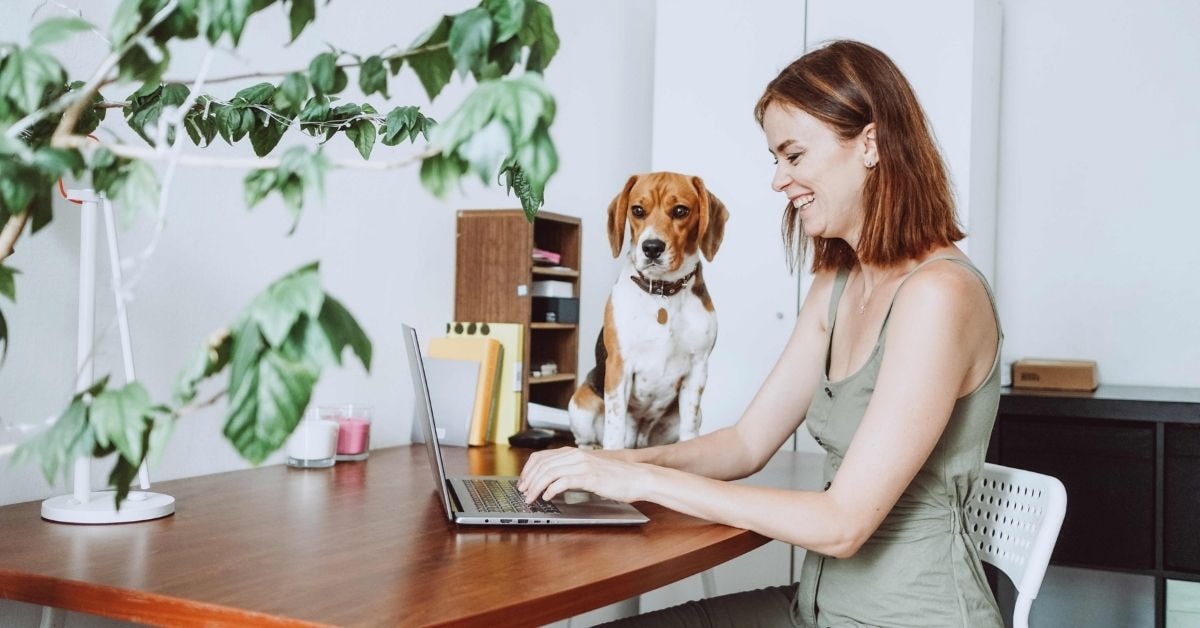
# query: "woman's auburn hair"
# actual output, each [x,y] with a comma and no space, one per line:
[908,206]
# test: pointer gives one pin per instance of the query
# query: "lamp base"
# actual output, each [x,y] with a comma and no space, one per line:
[100,508]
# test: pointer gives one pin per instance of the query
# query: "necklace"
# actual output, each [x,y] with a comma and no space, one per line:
[866,298]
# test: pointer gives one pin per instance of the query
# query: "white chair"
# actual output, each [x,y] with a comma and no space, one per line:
[1014,520]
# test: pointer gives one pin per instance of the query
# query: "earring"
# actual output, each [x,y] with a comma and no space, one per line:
[869,164]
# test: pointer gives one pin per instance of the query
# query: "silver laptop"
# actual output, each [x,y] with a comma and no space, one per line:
[494,499]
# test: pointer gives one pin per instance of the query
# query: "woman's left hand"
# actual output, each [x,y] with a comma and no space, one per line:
[551,472]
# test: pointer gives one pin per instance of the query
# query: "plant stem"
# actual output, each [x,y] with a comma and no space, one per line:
[245,163]
[10,233]
[253,75]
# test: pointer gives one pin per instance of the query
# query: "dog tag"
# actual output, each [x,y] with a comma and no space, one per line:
[662,316]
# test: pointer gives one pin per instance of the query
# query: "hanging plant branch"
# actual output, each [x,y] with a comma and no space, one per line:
[276,350]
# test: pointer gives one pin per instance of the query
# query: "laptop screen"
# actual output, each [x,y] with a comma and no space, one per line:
[423,414]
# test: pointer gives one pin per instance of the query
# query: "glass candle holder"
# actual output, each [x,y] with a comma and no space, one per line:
[313,444]
[354,429]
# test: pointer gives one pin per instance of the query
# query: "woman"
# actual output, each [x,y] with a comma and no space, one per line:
[893,361]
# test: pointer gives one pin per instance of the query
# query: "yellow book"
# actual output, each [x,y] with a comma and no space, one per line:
[486,352]
[507,420]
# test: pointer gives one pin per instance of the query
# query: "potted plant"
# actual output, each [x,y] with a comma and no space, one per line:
[274,352]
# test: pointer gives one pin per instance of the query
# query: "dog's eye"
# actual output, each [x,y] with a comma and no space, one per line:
[638,211]
[680,211]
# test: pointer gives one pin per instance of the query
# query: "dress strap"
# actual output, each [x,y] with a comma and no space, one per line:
[961,261]
[835,297]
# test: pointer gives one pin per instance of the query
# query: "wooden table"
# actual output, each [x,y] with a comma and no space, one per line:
[358,544]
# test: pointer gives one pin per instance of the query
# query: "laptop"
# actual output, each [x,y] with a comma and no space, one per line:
[494,499]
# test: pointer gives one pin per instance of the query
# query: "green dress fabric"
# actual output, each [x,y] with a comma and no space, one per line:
[920,568]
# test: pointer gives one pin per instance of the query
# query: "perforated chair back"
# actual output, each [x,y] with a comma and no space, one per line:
[1013,520]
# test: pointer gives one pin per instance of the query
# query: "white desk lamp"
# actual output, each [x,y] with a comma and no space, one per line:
[84,505]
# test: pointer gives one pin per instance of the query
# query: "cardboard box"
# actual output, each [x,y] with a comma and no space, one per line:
[1040,374]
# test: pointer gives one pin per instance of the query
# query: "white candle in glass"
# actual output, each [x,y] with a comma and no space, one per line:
[313,444]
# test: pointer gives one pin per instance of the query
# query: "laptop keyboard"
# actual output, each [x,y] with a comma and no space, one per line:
[503,496]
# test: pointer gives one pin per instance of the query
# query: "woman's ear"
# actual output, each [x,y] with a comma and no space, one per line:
[870,150]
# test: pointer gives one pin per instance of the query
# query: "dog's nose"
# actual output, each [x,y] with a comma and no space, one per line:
[654,248]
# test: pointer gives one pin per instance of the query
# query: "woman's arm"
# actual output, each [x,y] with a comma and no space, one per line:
[938,328]
[777,409]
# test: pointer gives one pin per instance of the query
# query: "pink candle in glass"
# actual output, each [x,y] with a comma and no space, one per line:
[354,436]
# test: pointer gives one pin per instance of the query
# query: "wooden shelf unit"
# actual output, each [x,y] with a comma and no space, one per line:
[494,275]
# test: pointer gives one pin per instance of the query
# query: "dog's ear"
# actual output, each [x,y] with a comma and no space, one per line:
[712,219]
[616,217]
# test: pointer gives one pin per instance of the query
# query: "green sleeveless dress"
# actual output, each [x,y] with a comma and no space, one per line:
[919,569]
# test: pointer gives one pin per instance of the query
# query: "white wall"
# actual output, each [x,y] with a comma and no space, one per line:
[1097,205]
[712,62]
[950,52]
[1096,221]
[386,246]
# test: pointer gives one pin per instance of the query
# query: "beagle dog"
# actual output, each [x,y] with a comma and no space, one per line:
[659,324]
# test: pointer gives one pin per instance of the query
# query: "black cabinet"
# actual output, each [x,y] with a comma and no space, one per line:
[1181,508]
[1129,458]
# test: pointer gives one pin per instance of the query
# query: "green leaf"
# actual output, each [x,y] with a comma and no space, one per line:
[267,405]
[486,149]
[239,12]
[3,337]
[538,160]
[160,433]
[27,74]
[321,73]
[244,122]
[538,33]
[470,37]
[309,167]
[138,191]
[56,29]
[55,162]
[259,94]
[441,171]
[58,446]
[147,105]
[119,417]
[90,117]
[144,62]
[302,13]
[258,185]
[291,93]
[8,283]
[126,21]
[398,124]
[362,133]
[17,192]
[316,351]
[248,347]
[201,128]
[265,138]
[434,66]
[475,111]
[121,478]
[210,360]
[278,308]
[316,110]
[372,77]
[41,209]
[509,16]
[522,103]
[341,329]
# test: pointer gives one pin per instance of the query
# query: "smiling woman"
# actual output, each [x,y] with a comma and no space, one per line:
[901,391]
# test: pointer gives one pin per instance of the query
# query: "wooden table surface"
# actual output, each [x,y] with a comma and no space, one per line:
[359,544]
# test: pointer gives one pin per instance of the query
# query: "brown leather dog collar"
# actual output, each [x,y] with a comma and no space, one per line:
[663,288]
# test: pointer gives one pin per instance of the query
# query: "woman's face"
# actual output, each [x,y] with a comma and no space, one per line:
[821,175]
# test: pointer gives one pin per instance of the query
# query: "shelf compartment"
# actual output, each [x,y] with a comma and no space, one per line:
[557,377]
[555,272]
